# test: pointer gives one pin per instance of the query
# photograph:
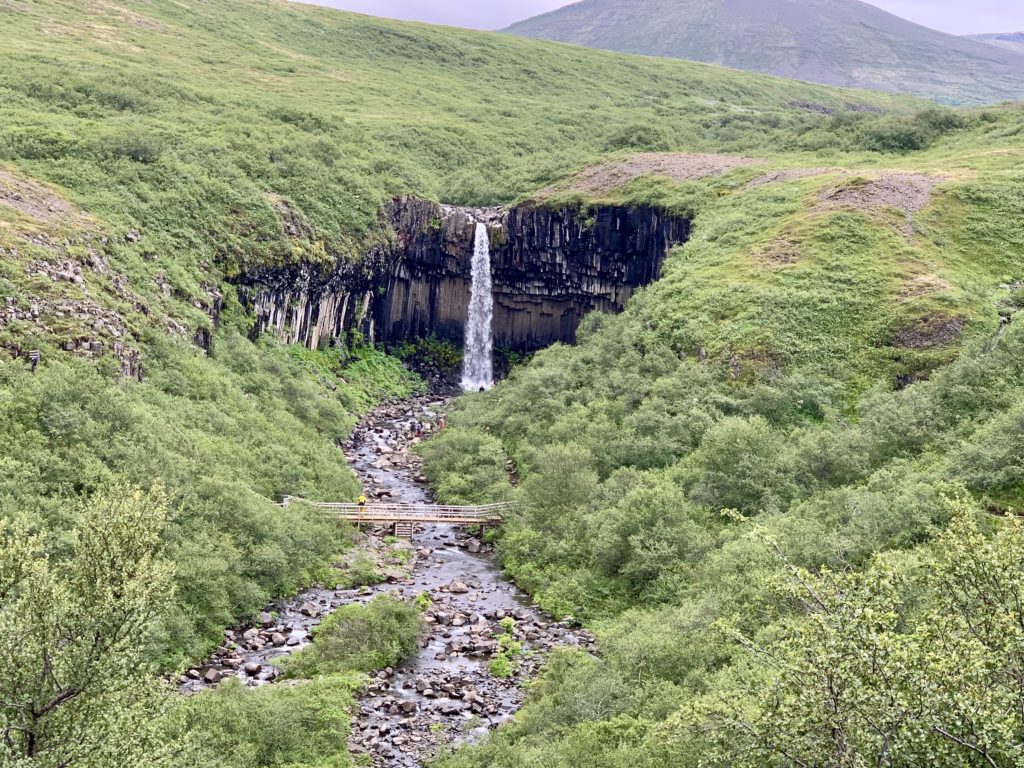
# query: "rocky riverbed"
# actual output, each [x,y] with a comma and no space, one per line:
[446,693]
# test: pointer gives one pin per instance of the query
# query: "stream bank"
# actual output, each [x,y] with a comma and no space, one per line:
[445,694]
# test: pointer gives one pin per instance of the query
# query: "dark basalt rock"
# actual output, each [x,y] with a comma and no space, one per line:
[551,266]
[559,265]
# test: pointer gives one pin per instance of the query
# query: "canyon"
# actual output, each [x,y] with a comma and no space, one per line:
[550,267]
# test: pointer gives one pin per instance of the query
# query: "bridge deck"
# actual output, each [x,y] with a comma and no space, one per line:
[487,514]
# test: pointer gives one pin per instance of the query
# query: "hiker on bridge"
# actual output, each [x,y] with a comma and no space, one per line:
[361,502]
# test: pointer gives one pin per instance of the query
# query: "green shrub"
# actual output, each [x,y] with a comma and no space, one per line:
[501,666]
[738,465]
[359,638]
[423,602]
[510,647]
[907,133]
[429,351]
[137,146]
[361,572]
[466,467]
[303,724]
[646,137]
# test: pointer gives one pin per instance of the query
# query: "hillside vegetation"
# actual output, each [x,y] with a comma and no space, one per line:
[839,42]
[823,360]
[134,180]
[282,133]
[771,483]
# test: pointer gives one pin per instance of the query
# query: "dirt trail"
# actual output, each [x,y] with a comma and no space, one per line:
[677,166]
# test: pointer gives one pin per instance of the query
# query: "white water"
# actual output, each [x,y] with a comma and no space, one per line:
[477,366]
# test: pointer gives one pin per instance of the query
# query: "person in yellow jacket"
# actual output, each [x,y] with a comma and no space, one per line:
[362,501]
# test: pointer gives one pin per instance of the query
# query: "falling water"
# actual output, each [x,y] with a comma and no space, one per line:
[477,368]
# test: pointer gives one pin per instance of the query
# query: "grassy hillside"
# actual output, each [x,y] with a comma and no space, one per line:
[284,111]
[839,42]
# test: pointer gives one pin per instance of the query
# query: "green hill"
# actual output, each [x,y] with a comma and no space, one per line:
[839,42]
[329,115]
[1011,41]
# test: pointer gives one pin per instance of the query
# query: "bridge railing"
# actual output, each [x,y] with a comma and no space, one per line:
[396,512]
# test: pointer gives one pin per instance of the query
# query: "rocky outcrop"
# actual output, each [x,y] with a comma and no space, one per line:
[64,303]
[559,265]
[308,303]
[550,267]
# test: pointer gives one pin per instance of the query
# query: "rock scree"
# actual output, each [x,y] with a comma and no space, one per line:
[906,193]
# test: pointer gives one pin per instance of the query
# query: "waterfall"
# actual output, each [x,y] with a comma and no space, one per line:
[477,366]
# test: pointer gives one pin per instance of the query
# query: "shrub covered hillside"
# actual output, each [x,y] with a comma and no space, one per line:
[783,485]
[135,178]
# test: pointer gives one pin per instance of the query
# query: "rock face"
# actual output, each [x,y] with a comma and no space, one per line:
[550,267]
[306,303]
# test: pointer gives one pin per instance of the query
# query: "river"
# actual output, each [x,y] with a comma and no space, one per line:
[445,694]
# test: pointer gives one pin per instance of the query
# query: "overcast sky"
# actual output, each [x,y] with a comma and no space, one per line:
[960,17]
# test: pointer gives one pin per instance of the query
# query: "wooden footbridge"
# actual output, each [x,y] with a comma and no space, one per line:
[405,517]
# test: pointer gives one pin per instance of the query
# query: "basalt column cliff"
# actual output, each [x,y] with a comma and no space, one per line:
[550,267]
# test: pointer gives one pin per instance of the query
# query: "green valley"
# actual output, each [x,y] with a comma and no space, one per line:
[782,487]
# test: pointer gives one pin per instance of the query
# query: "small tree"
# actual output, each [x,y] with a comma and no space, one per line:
[76,689]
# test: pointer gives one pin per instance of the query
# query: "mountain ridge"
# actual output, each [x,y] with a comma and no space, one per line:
[1010,41]
[833,42]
